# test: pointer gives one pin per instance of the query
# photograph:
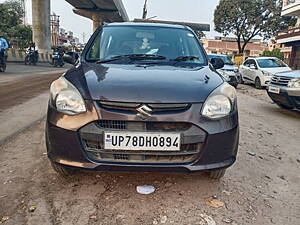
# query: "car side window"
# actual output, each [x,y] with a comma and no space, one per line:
[246,63]
[252,63]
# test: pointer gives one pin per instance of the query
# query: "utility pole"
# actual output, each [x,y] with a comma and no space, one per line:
[145,10]
[83,38]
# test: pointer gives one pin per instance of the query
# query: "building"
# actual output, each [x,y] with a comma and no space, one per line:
[54,22]
[228,46]
[60,36]
[290,39]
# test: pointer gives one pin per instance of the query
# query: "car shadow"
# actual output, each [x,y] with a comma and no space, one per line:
[125,183]
[288,113]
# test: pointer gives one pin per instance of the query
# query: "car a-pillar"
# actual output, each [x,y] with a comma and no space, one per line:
[41,25]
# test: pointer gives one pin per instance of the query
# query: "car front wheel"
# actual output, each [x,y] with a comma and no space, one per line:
[240,79]
[284,106]
[62,170]
[217,174]
[257,83]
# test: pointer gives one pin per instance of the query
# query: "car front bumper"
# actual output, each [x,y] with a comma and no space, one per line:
[289,97]
[265,80]
[208,144]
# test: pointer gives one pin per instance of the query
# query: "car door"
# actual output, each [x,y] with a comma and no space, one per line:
[244,70]
[253,70]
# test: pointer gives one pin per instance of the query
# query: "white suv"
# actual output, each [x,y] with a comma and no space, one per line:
[260,70]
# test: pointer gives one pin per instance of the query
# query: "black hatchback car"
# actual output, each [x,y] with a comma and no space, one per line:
[143,97]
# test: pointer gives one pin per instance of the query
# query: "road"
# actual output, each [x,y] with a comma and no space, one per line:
[261,188]
[24,91]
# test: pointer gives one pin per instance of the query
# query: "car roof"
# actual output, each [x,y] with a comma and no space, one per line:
[178,26]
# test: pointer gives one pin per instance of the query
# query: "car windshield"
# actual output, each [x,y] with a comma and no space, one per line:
[226,59]
[270,63]
[161,43]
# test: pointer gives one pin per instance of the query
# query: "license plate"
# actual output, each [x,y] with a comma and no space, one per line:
[275,90]
[135,141]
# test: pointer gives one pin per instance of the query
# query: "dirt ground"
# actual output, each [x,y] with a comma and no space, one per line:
[19,90]
[261,188]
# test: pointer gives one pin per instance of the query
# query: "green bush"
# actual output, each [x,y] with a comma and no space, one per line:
[274,53]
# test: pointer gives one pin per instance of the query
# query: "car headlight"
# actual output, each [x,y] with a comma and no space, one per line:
[294,83]
[224,74]
[220,103]
[66,98]
[267,73]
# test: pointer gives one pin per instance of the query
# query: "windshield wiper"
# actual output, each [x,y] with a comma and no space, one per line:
[184,58]
[146,56]
[133,57]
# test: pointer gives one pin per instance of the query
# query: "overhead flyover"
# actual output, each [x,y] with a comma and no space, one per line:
[97,10]
[197,27]
[100,10]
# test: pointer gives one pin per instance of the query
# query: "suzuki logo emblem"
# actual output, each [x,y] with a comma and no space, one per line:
[144,111]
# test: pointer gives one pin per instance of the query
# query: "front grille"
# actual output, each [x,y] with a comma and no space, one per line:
[187,153]
[148,126]
[112,124]
[156,107]
[92,139]
[280,80]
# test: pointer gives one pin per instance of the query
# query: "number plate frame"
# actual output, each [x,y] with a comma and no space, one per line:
[273,89]
[118,145]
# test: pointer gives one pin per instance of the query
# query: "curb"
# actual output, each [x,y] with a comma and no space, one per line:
[8,138]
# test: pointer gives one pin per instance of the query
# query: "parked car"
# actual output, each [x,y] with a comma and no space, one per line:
[230,72]
[284,89]
[121,108]
[259,71]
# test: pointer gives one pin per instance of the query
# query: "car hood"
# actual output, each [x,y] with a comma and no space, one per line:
[293,74]
[276,69]
[228,67]
[147,84]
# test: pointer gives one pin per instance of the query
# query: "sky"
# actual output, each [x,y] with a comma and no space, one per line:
[198,11]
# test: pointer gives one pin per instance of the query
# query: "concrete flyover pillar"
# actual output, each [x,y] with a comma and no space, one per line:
[97,21]
[41,25]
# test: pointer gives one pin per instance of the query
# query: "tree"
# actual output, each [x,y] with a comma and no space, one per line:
[11,27]
[274,53]
[21,36]
[249,18]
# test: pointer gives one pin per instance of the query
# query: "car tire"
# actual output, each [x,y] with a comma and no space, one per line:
[3,68]
[241,79]
[217,174]
[284,106]
[257,83]
[63,170]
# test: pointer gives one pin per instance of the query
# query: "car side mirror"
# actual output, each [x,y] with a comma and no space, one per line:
[217,63]
[253,67]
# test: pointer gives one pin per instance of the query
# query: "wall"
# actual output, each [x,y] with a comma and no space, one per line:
[15,55]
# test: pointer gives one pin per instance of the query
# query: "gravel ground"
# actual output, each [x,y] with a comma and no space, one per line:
[261,188]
